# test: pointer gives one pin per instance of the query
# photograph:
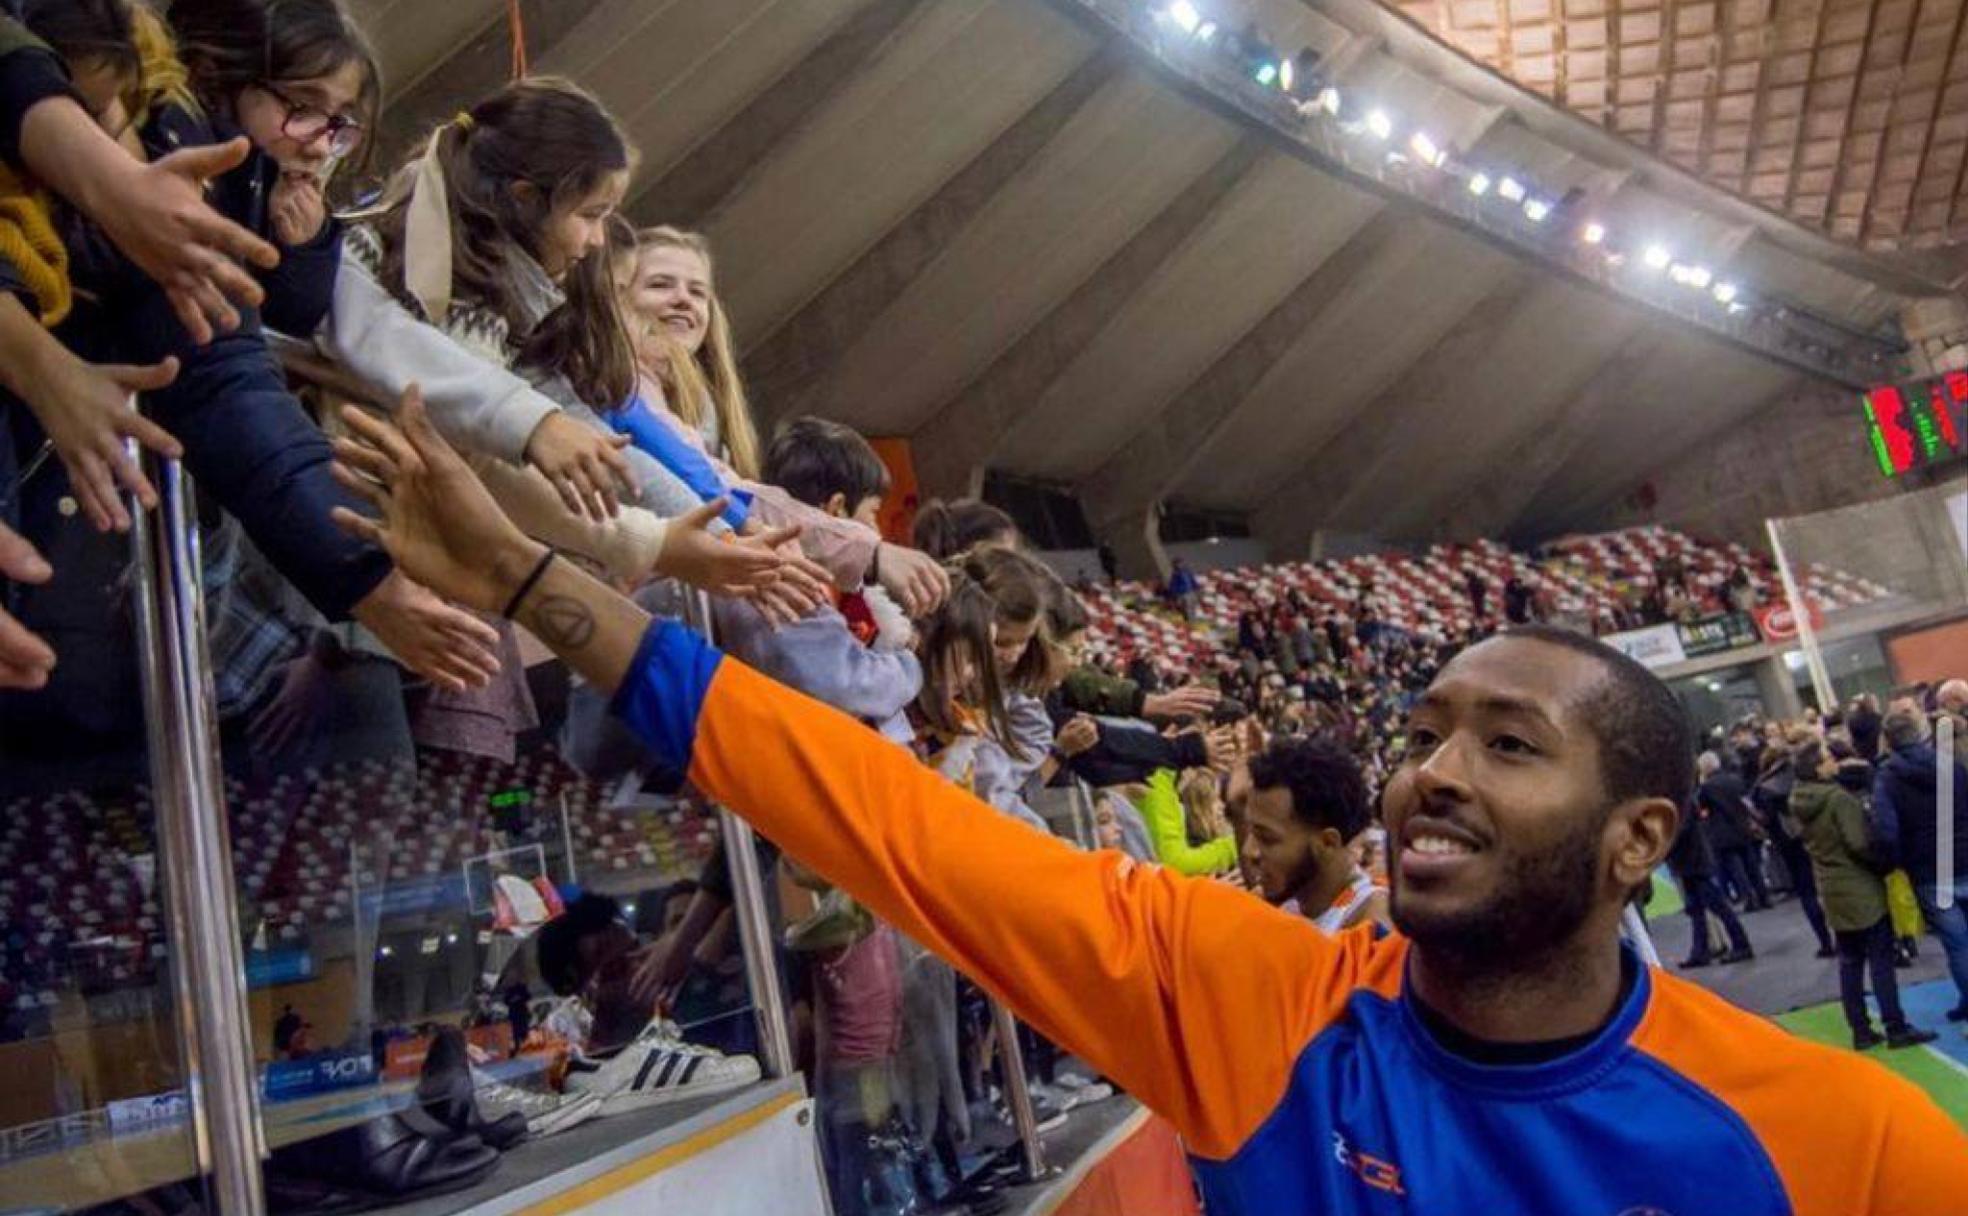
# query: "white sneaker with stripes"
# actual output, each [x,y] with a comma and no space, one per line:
[658,1067]
[546,1113]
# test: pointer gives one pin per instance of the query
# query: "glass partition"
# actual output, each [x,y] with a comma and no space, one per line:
[447,902]
[95,1105]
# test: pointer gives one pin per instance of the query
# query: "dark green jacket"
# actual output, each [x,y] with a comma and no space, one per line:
[1834,826]
[1089,690]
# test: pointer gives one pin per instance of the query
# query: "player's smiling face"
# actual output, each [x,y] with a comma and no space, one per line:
[1496,819]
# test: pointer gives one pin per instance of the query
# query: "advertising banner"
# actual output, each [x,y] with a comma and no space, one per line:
[320,1074]
[1779,625]
[1654,646]
[1715,634]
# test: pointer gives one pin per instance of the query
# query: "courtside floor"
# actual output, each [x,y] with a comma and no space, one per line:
[1787,983]
[1940,1068]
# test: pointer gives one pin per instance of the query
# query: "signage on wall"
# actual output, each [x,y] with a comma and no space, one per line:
[1654,646]
[1666,645]
[284,1080]
[1779,624]
[1715,634]
[1923,423]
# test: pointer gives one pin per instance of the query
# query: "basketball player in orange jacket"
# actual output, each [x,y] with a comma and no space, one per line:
[1504,1054]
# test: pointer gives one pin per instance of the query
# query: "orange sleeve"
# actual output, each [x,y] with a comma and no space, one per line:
[1193,996]
[1848,1137]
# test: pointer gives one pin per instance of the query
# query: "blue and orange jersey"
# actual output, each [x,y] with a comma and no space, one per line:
[1300,1077]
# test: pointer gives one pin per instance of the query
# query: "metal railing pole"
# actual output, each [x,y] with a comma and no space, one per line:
[748,902]
[1800,612]
[1018,1093]
[202,924]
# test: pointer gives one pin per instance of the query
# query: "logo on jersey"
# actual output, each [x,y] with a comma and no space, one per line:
[1379,1174]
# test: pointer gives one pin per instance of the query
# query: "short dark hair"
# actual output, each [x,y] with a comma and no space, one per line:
[814,459]
[1646,746]
[559,939]
[1326,787]
[84,30]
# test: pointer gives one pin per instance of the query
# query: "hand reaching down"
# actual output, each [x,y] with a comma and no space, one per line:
[916,581]
[25,660]
[438,521]
[440,642]
[86,412]
[586,466]
[1189,701]
[1077,736]
[765,568]
[160,220]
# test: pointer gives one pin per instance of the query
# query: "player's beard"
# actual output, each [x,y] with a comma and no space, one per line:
[1540,901]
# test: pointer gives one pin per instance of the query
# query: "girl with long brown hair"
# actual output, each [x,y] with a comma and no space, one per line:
[687,359]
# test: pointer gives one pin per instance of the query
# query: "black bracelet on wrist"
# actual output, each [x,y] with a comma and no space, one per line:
[539,572]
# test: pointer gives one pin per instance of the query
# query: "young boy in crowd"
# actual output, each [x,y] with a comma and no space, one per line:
[854,655]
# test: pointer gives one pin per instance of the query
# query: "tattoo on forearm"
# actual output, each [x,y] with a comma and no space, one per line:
[564,622]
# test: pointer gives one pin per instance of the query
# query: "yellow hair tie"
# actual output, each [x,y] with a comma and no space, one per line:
[464,121]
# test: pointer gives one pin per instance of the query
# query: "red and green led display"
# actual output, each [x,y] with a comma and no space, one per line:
[1918,424]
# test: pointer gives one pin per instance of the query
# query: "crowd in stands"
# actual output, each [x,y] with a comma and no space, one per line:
[174,191]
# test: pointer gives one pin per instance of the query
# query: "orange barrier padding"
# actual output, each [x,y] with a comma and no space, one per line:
[898,513]
[1146,1175]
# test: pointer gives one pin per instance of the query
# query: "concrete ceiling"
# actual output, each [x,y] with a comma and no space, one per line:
[995,227]
[1848,115]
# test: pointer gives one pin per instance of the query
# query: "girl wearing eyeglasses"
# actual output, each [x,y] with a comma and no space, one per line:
[299,79]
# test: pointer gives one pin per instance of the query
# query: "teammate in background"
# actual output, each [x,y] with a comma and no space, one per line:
[1504,1054]
[1304,803]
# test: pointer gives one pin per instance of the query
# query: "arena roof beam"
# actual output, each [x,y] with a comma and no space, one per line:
[1597,500]
[963,433]
[1469,426]
[1310,501]
[1953,46]
[1166,446]
[693,189]
[1804,109]
[789,365]
[1843,159]
[1505,457]
[477,68]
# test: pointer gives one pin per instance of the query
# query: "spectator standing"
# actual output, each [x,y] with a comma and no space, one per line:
[1734,832]
[1951,699]
[1863,722]
[1182,588]
[1692,862]
[1517,601]
[1906,816]
[1834,828]
[1479,592]
[1771,795]
[285,1027]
